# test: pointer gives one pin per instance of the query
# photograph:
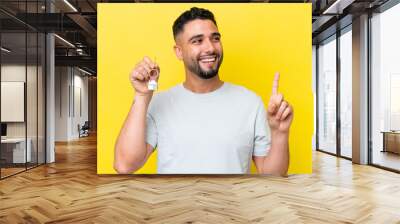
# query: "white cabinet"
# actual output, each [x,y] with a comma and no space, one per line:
[18,149]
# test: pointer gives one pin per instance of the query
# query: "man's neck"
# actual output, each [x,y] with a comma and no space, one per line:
[199,85]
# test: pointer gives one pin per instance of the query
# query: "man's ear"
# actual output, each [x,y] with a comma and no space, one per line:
[178,52]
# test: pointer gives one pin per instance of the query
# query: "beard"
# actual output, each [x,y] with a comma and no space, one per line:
[194,66]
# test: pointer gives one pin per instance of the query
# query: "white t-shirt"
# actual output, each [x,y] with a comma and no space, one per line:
[207,133]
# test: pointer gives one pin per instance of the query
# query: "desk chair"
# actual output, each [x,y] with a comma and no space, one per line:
[84,130]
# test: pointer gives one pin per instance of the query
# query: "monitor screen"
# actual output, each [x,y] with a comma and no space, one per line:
[3,129]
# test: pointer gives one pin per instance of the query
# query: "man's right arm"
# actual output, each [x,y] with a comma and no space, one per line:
[131,149]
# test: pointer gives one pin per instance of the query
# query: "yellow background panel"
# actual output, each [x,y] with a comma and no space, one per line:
[258,40]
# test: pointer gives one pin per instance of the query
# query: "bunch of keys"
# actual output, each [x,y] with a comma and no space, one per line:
[152,85]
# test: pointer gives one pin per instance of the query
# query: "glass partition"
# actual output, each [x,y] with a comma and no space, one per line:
[346,93]
[385,89]
[22,77]
[327,95]
[14,154]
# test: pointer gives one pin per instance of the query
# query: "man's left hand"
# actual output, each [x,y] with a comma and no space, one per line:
[279,112]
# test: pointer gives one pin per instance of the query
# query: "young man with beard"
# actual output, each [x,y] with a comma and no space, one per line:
[203,125]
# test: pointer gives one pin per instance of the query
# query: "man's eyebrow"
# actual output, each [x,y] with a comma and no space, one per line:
[216,34]
[196,36]
[201,35]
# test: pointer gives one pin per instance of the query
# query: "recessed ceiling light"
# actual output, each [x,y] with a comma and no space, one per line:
[338,6]
[64,40]
[84,71]
[5,50]
[70,5]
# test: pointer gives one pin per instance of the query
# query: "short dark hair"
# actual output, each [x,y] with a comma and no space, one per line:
[189,15]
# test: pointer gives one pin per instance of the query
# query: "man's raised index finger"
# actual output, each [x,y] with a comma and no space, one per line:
[275,84]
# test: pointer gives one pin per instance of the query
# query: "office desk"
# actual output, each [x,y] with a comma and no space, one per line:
[391,141]
[16,147]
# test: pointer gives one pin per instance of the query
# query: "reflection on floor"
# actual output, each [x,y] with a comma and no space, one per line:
[10,169]
[386,159]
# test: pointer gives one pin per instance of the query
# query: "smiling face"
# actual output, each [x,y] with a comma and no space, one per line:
[199,46]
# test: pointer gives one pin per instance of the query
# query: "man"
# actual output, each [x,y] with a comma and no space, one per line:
[204,125]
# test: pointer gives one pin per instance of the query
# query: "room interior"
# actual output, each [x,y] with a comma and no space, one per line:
[49,128]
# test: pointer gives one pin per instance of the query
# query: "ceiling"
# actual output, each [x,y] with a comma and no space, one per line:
[76,22]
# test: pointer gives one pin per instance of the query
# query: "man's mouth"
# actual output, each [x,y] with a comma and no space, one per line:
[208,60]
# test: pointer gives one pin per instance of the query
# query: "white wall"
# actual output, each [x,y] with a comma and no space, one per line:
[71,93]
[12,73]
[62,81]
[12,101]
[81,83]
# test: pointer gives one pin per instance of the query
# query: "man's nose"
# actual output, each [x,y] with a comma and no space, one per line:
[209,46]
